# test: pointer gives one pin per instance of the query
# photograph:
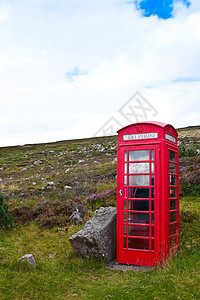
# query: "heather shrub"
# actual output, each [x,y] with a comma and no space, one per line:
[187,152]
[6,219]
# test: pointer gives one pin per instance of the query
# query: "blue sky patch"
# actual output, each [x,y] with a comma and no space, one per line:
[187,79]
[163,9]
[75,73]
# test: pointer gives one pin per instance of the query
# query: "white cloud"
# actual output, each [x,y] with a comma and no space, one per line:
[116,50]
[193,118]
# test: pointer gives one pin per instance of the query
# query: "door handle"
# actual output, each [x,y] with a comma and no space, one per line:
[120,192]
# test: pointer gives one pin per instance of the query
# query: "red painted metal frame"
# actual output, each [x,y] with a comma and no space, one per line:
[161,146]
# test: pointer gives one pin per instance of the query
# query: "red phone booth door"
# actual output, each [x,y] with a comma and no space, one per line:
[138,205]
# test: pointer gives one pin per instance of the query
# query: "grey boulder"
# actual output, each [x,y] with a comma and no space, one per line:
[98,236]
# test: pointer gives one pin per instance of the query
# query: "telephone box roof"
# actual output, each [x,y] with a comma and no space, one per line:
[158,124]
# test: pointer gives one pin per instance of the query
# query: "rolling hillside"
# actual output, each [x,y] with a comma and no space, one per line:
[41,183]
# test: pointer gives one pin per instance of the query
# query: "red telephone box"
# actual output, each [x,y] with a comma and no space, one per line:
[147,193]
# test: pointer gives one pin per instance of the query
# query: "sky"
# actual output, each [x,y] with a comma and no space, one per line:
[75,69]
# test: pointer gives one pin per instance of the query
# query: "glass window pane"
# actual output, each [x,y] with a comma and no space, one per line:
[152,179]
[124,242]
[125,205]
[142,205]
[142,244]
[125,168]
[173,216]
[172,204]
[173,241]
[139,180]
[125,217]
[138,168]
[172,168]
[152,205]
[138,230]
[152,167]
[152,245]
[125,192]
[125,231]
[152,193]
[152,231]
[138,192]
[152,154]
[172,179]
[125,179]
[172,192]
[173,229]
[152,219]
[138,218]
[172,155]
[139,155]
[125,155]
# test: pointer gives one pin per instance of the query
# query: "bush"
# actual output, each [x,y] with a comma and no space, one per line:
[6,219]
[194,190]
[187,152]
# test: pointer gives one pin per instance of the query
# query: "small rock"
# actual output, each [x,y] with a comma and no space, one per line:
[29,258]
[23,169]
[50,183]
[67,187]
[1,179]
[37,162]
[67,170]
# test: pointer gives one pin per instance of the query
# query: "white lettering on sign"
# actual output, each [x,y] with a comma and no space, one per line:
[170,137]
[140,136]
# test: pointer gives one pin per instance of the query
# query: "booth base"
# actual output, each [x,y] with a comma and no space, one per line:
[113,265]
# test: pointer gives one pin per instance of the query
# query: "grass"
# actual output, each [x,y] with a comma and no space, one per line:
[61,274]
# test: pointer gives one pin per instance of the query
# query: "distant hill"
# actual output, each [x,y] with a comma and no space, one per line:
[82,170]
